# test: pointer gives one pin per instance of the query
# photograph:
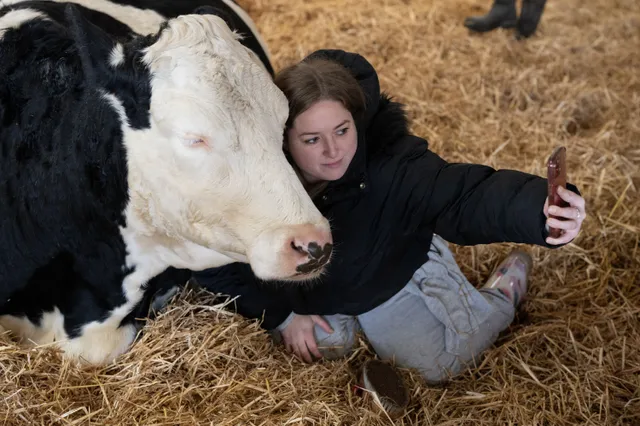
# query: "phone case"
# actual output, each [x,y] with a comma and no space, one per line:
[556,176]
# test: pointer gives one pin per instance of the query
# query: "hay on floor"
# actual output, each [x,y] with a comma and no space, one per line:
[573,354]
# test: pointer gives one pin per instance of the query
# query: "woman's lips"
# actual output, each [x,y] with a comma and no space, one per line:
[334,164]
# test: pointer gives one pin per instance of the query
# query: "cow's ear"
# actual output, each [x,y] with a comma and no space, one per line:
[94,45]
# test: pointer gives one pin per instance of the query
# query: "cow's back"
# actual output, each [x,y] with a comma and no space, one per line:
[122,18]
[54,10]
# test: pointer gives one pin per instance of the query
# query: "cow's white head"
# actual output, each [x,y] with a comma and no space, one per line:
[208,180]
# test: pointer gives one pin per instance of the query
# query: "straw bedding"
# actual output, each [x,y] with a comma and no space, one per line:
[573,354]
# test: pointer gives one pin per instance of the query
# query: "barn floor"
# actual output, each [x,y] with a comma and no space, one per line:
[573,355]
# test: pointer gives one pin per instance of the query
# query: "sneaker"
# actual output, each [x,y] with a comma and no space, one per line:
[383,382]
[510,277]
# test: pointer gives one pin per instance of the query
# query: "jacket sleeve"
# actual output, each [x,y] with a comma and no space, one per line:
[470,204]
[255,299]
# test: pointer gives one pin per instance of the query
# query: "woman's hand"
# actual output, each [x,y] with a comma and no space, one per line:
[299,337]
[573,216]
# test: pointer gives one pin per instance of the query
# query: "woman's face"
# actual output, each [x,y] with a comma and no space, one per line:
[323,141]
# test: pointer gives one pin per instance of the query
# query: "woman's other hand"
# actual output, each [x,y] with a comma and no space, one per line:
[299,337]
[570,218]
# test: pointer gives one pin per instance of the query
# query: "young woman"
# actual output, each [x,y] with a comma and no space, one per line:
[386,196]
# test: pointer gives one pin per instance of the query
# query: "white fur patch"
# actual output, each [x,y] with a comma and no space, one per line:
[117,56]
[10,2]
[50,330]
[118,106]
[15,18]
[142,21]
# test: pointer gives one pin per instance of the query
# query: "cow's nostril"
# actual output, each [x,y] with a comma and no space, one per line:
[298,248]
[315,252]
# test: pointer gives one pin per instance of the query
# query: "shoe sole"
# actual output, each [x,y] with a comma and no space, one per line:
[505,25]
[386,385]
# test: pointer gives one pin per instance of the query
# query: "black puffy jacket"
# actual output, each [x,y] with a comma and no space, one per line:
[384,211]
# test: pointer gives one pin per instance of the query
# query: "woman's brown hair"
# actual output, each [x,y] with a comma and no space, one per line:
[315,79]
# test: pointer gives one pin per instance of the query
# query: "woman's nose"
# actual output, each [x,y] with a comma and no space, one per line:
[331,149]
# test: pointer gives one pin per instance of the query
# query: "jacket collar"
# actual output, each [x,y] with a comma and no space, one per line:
[355,180]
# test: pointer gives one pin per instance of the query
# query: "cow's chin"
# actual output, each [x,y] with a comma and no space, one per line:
[304,278]
[283,271]
[286,273]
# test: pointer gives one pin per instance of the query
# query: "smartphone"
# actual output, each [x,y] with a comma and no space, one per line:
[556,176]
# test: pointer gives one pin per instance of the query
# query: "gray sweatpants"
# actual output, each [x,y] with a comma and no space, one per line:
[438,323]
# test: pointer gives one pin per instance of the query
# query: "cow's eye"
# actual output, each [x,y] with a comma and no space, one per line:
[194,141]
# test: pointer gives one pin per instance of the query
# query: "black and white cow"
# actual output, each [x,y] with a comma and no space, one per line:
[138,140]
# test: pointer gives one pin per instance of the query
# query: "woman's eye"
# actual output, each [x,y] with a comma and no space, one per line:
[343,131]
[311,140]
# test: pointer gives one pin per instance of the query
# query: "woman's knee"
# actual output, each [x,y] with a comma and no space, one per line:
[449,366]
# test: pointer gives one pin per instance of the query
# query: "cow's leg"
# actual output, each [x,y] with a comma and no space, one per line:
[158,293]
[60,306]
[161,299]
[96,343]
[164,287]
[31,313]
[100,343]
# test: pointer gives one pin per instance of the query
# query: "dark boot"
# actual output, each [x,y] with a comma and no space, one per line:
[502,14]
[529,17]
